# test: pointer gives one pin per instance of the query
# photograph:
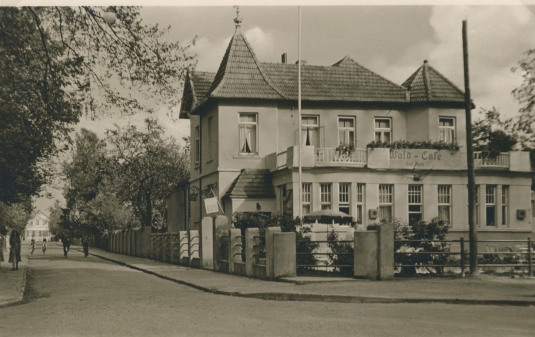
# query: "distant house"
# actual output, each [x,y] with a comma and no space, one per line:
[245,137]
[37,228]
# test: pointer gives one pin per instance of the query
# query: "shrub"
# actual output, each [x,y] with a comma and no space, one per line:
[342,253]
[428,233]
[423,144]
[244,220]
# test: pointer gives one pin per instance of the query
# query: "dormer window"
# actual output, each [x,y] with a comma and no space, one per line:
[247,129]
[446,129]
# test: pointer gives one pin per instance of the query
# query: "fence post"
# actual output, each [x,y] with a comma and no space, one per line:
[250,241]
[219,229]
[234,249]
[530,258]
[270,231]
[462,257]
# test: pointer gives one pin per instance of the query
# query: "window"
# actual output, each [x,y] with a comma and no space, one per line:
[360,202]
[310,130]
[197,145]
[247,129]
[385,202]
[307,197]
[444,203]
[325,198]
[415,203]
[346,130]
[446,129]
[490,205]
[505,197]
[383,130]
[343,198]
[210,137]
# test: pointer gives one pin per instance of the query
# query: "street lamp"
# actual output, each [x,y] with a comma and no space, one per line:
[194,192]
[109,17]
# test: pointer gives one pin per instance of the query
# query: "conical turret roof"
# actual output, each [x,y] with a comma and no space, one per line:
[426,84]
[240,75]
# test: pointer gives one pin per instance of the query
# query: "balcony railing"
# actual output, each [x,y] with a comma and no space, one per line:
[501,161]
[331,156]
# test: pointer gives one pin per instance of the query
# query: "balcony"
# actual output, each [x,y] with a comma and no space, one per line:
[331,157]
[384,158]
[502,161]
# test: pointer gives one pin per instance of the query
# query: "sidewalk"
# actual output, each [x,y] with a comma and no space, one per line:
[484,289]
[12,283]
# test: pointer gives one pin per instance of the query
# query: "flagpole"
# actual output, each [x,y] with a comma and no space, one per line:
[299,113]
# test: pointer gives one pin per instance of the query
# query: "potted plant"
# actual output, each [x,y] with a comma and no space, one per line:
[345,149]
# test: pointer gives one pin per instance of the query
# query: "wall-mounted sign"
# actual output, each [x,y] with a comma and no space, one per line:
[426,159]
[211,205]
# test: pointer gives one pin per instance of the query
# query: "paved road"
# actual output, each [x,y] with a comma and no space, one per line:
[79,296]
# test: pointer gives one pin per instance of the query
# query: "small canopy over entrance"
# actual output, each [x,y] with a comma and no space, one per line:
[328,216]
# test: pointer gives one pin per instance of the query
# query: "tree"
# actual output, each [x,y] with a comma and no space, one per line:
[491,135]
[15,216]
[85,171]
[525,94]
[147,168]
[54,218]
[58,63]
[90,191]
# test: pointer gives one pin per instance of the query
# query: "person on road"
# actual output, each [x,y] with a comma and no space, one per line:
[2,246]
[14,250]
[32,246]
[44,245]
[85,245]
[66,245]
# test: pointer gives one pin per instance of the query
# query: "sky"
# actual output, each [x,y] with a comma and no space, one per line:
[392,41]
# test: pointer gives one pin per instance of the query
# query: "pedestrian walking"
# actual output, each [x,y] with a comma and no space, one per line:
[66,245]
[2,247]
[14,250]
[32,246]
[44,245]
[85,245]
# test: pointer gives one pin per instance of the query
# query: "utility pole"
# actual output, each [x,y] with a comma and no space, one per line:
[470,160]
[299,193]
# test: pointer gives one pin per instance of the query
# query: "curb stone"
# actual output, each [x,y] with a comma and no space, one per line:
[22,288]
[327,298]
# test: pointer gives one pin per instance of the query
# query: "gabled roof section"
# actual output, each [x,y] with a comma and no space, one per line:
[251,184]
[346,80]
[240,75]
[196,87]
[428,85]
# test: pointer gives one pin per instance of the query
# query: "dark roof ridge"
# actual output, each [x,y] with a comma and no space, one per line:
[427,84]
[344,61]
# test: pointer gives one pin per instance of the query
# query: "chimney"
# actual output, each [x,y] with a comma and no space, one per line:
[283,57]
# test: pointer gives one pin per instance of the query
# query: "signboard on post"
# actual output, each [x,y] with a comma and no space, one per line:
[211,205]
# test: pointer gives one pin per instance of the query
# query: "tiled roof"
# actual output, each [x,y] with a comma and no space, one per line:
[428,85]
[346,80]
[196,86]
[240,75]
[202,82]
[252,184]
